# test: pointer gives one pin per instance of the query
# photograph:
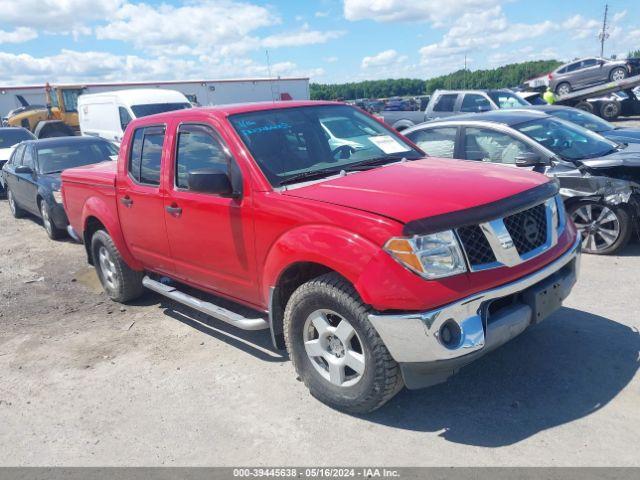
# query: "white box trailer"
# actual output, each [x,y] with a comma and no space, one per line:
[200,92]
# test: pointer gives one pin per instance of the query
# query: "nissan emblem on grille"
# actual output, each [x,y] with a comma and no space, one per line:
[531,229]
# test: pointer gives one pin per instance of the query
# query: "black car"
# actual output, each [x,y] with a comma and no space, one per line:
[599,179]
[9,138]
[32,175]
[591,122]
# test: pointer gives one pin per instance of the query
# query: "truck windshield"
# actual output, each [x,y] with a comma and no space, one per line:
[292,143]
[507,99]
[10,136]
[153,108]
[569,141]
[55,158]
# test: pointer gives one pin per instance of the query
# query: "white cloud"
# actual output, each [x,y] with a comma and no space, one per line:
[74,66]
[56,15]
[321,14]
[330,59]
[383,59]
[435,11]
[619,16]
[19,35]
[304,36]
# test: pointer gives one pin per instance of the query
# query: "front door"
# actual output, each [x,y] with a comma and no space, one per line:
[211,237]
[141,203]
[26,189]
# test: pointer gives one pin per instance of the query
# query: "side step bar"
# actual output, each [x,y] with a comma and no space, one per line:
[208,308]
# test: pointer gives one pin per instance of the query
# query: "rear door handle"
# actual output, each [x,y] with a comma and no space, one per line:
[174,210]
[126,201]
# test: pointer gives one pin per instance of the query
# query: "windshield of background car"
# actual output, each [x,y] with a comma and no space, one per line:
[507,99]
[289,142]
[584,119]
[569,141]
[54,159]
[153,108]
[9,137]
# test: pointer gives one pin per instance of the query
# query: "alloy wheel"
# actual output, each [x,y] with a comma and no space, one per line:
[108,268]
[618,74]
[334,348]
[12,202]
[598,225]
[46,220]
[564,89]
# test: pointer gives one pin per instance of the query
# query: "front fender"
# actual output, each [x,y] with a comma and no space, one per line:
[98,208]
[341,250]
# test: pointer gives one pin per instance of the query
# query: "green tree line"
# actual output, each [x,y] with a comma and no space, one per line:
[501,77]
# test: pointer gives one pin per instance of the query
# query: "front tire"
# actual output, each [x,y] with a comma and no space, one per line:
[119,281]
[334,348]
[618,73]
[610,110]
[16,211]
[605,229]
[53,232]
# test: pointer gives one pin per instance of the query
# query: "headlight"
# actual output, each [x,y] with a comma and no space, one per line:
[431,256]
[57,196]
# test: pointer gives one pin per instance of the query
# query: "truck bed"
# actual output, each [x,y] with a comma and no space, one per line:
[81,183]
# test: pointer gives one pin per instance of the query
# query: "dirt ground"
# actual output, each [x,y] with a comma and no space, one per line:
[85,381]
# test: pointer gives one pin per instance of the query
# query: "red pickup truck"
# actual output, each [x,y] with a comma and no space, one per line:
[374,266]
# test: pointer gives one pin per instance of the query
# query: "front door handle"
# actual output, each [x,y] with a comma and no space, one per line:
[174,210]
[126,201]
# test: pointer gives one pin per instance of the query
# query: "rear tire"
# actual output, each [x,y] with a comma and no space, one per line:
[585,106]
[53,232]
[618,73]
[563,88]
[327,332]
[16,211]
[119,281]
[609,110]
[605,229]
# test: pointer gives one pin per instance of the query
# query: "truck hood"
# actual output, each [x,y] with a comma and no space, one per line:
[422,188]
[103,173]
[627,157]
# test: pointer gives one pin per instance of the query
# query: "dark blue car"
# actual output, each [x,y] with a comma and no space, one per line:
[590,122]
[32,175]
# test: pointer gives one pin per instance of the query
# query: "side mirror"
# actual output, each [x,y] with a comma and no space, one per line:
[24,170]
[210,180]
[529,160]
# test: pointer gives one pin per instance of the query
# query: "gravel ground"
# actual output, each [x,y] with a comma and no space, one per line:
[87,382]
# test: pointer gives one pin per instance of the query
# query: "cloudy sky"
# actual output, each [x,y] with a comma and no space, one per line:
[328,40]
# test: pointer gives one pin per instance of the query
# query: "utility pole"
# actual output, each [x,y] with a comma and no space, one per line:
[603,35]
[465,71]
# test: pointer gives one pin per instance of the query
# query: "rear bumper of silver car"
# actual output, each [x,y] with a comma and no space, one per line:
[440,341]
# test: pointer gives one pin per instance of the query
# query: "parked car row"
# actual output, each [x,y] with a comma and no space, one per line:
[375,267]
[598,167]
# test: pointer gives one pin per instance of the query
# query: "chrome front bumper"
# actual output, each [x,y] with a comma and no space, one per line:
[415,337]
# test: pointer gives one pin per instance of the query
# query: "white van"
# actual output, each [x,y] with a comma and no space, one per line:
[107,114]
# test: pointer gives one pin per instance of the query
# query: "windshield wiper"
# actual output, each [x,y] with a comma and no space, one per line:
[310,175]
[374,162]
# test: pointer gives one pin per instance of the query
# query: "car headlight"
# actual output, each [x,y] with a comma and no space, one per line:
[57,196]
[431,256]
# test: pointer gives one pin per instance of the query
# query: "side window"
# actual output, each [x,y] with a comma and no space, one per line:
[198,148]
[146,155]
[125,118]
[437,142]
[573,67]
[491,146]
[445,103]
[475,103]
[17,156]
[591,62]
[27,159]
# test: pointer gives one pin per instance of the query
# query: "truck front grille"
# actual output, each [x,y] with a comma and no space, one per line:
[476,245]
[514,239]
[528,229]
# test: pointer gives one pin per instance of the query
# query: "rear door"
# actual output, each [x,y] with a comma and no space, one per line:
[488,145]
[211,237]
[141,200]
[590,72]
[444,105]
[436,142]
